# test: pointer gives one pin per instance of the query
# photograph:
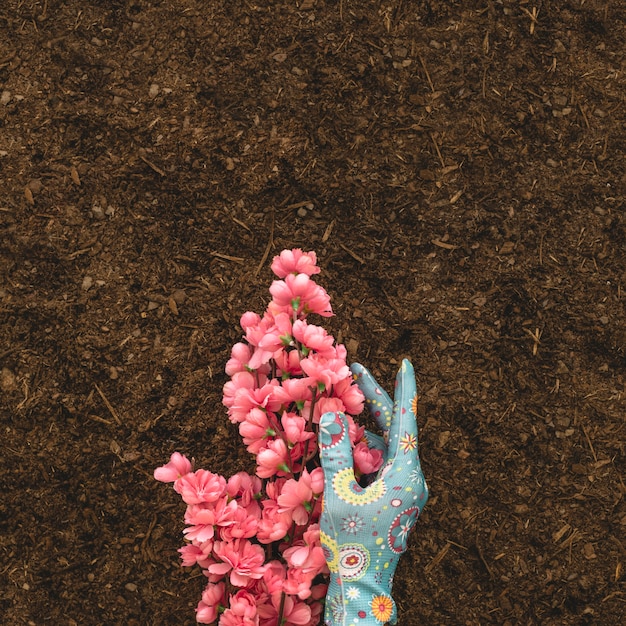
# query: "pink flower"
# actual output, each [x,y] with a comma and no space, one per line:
[317,481]
[249,319]
[299,295]
[177,467]
[273,577]
[247,489]
[294,427]
[193,554]
[314,338]
[298,582]
[351,396]
[273,460]
[287,363]
[200,486]
[324,371]
[307,554]
[366,460]
[246,399]
[272,334]
[325,405]
[239,356]
[296,497]
[212,598]
[242,610]
[256,429]
[244,561]
[295,262]
[355,432]
[274,525]
[203,519]
[239,381]
[244,526]
[294,390]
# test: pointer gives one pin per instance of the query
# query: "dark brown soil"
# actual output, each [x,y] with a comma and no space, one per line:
[459,169]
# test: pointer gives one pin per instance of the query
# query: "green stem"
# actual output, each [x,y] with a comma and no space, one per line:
[314,398]
[281,620]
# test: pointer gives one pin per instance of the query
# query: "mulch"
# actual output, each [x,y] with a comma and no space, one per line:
[457,166]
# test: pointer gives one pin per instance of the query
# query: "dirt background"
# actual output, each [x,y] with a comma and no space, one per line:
[459,169]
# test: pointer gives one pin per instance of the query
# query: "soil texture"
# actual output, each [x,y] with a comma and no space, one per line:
[458,167]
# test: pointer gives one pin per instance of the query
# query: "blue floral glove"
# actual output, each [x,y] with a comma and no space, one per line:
[364,530]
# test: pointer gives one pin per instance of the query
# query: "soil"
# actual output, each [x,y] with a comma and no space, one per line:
[459,169]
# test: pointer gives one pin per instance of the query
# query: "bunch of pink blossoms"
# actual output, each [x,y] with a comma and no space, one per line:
[256,538]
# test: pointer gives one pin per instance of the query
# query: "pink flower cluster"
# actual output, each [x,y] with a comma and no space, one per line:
[256,538]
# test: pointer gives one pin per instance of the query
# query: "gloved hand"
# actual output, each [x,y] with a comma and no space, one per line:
[364,530]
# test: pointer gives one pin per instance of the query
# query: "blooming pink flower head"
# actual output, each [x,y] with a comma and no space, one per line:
[242,610]
[287,363]
[295,262]
[366,460]
[274,525]
[177,467]
[324,371]
[355,432]
[298,295]
[244,526]
[307,555]
[249,319]
[200,486]
[192,553]
[351,396]
[244,561]
[212,598]
[274,576]
[256,429]
[238,381]
[296,499]
[204,518]
[244,487]
[246,399]
[239,356]
[269,337]
[325,405]
[294,390]
[273,460]
[294,427]
[314,338]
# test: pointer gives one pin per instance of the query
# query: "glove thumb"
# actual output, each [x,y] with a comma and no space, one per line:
[334,443]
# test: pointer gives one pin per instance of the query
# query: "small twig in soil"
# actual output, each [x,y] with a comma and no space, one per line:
[270,243]
[226,257]
[97,418]
[157,169]
[432,136]
[430,82]
[536,337]
[533,18]
[593,452]
[327,232]
[437,559]
[109,406]
[355,256]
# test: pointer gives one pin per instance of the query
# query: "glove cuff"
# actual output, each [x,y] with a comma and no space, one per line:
[359,603]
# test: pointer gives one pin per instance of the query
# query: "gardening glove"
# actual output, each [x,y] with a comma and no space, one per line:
[364,530]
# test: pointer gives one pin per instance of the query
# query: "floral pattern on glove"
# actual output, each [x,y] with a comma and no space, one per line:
[365,528]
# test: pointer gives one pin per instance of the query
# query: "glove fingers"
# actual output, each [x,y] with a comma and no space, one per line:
[403,430]
[377,399]
[376,442]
